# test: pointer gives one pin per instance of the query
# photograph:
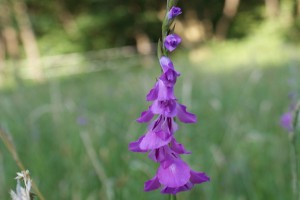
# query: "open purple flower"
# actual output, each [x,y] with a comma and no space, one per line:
[174,175]
[171,42]
[160,133]
[167,108]
[173,12]
[286,121]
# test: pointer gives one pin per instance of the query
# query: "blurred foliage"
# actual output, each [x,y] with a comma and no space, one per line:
[236,139]
[72,26]
[292,35]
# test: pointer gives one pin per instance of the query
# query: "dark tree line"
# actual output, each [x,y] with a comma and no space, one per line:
[94,24]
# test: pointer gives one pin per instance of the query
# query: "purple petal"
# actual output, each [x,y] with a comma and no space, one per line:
[173,12]
[169,190]
[178,148]
[171,42]
[165,155]
[157,155]
[151,184]
[185,116]
[82,121]
[166,63]
[175,175]
[135,146]
[146,116]
[154,155]
[286,121]
[198,177]
[168,160]
[160,133]
[169,77]
[154,140]
[172,126]
[166,108]
[152,95]
[164,92]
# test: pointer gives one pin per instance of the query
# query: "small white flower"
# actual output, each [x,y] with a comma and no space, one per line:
[22,175]
[22,193]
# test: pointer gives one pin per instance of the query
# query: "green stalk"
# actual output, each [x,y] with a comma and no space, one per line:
[172,197]
[165,29]
[294,155]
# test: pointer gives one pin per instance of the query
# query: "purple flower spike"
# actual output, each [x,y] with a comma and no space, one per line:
[286,121]
[172,41]
[174,11]
[173,174]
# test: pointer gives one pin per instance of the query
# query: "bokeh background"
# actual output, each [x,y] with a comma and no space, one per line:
[74,75]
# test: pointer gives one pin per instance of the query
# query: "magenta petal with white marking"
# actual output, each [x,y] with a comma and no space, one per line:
[175,175]
[166,63]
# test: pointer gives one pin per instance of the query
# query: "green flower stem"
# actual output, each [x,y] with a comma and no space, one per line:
[172,197]
[294,155]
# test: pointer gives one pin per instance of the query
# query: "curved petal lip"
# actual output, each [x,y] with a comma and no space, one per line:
[152,141]
[146,116]
[185,116]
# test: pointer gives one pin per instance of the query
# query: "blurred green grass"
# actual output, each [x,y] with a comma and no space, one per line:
[237,142]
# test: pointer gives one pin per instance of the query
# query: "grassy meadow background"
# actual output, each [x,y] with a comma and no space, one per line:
[72,129]
[72,132]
